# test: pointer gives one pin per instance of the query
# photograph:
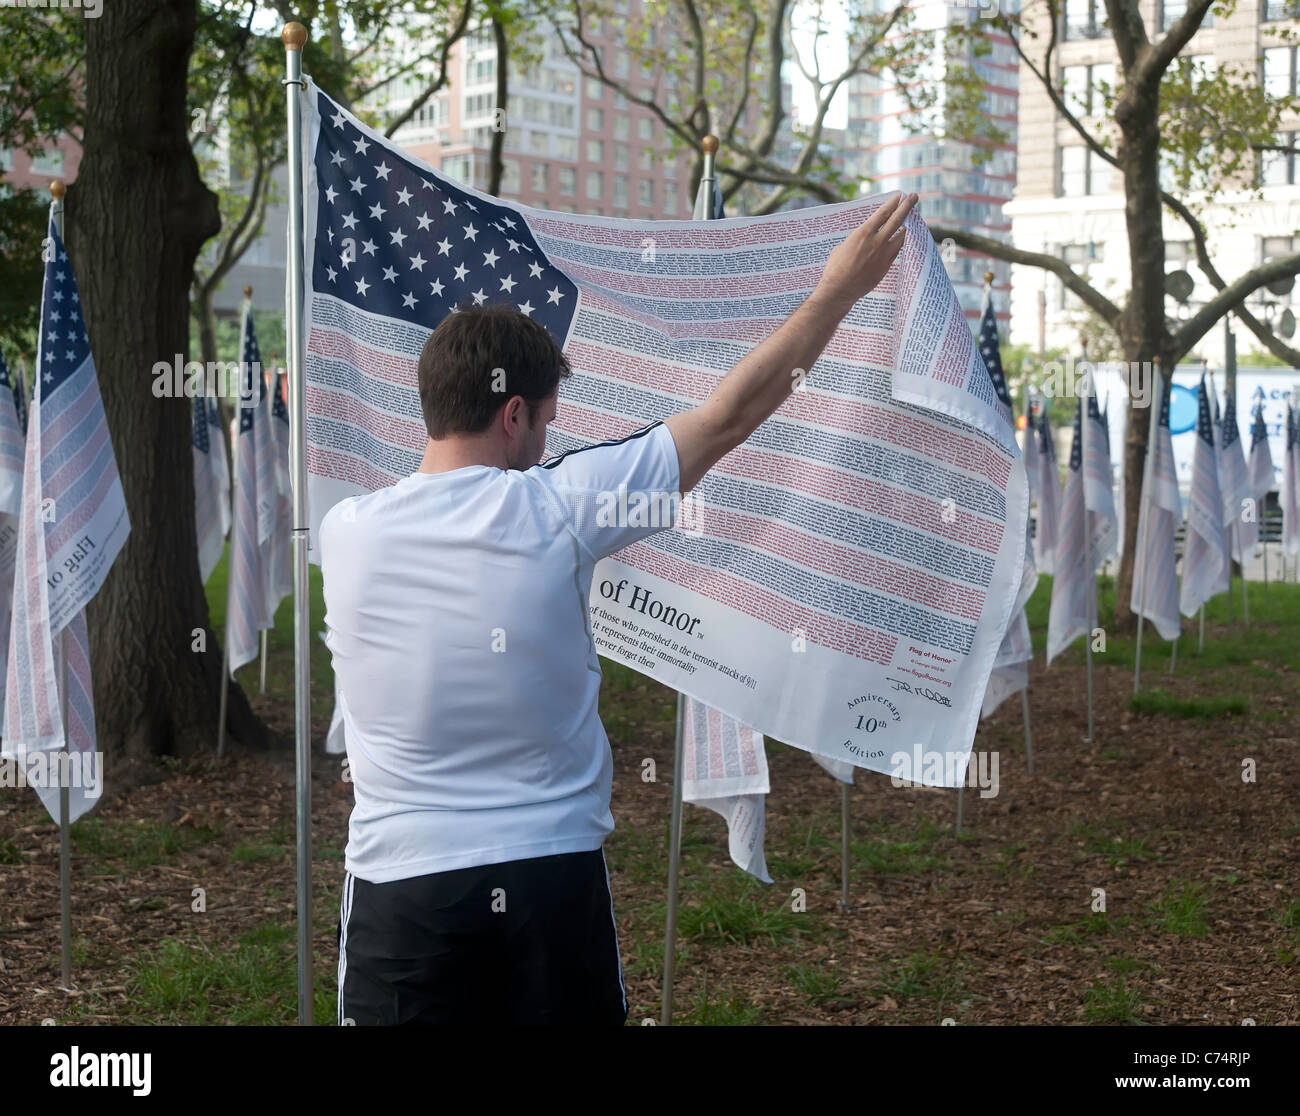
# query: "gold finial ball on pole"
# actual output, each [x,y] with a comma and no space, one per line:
[58,189]
[1156,360]
[293,36]
[988,277]
[709,145]
[248,292]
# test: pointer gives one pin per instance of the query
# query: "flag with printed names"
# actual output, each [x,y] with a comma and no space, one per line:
[255,503]
[211,484]
[1155,579]
[1047,493]
[1205,557]
[72,524]
[724,768]
[1099,485]
[1010,672]
[279,569]
[1073,586]
[1260,464]
[13,440]
[881,512]
[1240,516]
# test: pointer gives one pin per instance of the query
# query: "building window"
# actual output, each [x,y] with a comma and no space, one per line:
[481,70]
[537,143]
[645,190]
[595,88]
[1279,71]
[1081,88]
[48,161]
[1084,19]
[645,128]
[510,176]
[595,151]
[568,180]
[595,120]
[620,64]
[541,177]
[620,190]
[480,104]
[1079,257]
[566,147]
[1276,247]
[620,156]
[457,167]
[620,125]
[647,160]
[1278,168]
[595,184]
[1082,172]
[1274,10]
[670,198]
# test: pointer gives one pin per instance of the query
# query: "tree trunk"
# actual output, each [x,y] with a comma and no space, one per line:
[136,219]
[496,164]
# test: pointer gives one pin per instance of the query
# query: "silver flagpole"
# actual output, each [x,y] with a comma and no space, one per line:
[294,36]
[1087,542]
[844,846]
[1157,401]
[1029,736]
[262,676]
[703,212]
[57,191]
[1200,643]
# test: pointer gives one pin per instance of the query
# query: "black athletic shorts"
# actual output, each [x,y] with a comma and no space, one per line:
[522,943]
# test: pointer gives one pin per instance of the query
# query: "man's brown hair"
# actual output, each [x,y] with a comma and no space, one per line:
[478,358]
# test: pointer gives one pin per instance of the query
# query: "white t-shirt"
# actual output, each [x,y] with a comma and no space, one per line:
[457,613]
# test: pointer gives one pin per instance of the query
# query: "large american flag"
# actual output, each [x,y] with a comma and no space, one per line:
[211,484]
[840,501]
[256,501]
[1155,582]
[72,525]
[1205,557]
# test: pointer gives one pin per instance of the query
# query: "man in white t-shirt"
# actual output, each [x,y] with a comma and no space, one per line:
[475,885]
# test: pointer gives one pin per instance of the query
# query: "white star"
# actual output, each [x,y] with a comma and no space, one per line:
[508,223]
[390,273]
[490,258]
[334,275]
[331,194]
[345,260]
[329,235]
[368,247]
[534,270]
[508,284]
[377,211]
[55,315]
[362,146]
[497,225]
[337,158]
[448,206]
[404,196]
[444,246]
[514,244]
[526,308]
[362,286]
[471,207]
[337,119]
[397,237]
[435,287]
[357,185]
[382,171]
[554,295]
[479,297]
[428,185]
[470,231]
[424,221]
[58,296]
[461,272]
[418,262]
[350,221]
[408,300]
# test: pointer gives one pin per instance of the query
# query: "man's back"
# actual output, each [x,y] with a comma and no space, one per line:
[457,611]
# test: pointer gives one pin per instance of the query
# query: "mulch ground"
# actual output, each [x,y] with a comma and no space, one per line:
[995,926]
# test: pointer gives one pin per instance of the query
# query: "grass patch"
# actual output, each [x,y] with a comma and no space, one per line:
[916,854]
[736,1010]
[137,844]
[923,975]
[1181,910]
[1191,709]
[816,983]
[737,920]
[1104,839]
[1115,1002]
[255,982]
[1080,933]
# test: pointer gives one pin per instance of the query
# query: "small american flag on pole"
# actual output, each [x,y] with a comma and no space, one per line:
[1291,484]
[1235,479]
[1205,558]
[1155,587]
[12,440]
[1047,493]
[256,501]
[1261,459]
[72,524]
[211,484]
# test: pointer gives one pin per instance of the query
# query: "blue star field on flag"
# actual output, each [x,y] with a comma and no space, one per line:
[250,376]
[1204,423]
[63,333]
[1258,428]
[393,242]
[992,354]
[1076,442]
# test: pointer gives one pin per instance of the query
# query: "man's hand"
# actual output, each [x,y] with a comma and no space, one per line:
[863,257]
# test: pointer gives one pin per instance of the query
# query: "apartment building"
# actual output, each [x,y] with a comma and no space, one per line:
[1069,203]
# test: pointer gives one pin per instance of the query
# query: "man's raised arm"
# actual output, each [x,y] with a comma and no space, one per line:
[761,380]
